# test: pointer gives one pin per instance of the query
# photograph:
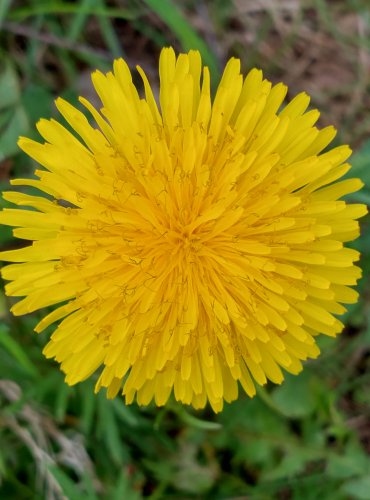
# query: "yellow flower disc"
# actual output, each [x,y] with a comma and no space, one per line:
[192,247]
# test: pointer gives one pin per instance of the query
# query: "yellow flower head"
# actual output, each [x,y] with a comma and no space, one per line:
[192,247]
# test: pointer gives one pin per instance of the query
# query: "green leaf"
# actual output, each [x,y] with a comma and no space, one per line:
[37,102]
[4,7]
[5,116]
[70,489]
[362,196]
[123,489]
[3,305]
[357,488]
[353,463]
[195,422]
[342,467]
[13,119]
[17,125]
[89,487]
[293,463]
[361,164]
[257,452]
[16,351]
[295,398]
[9,87]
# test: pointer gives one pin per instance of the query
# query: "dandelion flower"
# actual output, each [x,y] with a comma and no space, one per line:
[194,247]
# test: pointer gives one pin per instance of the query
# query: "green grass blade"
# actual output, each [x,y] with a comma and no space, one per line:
[188,37]
[79,20]
[109,35]
[16,351]
[68,8]
[4,7]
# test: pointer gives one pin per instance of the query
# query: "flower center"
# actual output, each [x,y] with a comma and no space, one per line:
[187,240]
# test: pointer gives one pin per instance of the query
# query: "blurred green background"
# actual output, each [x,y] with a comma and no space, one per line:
[309,438]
